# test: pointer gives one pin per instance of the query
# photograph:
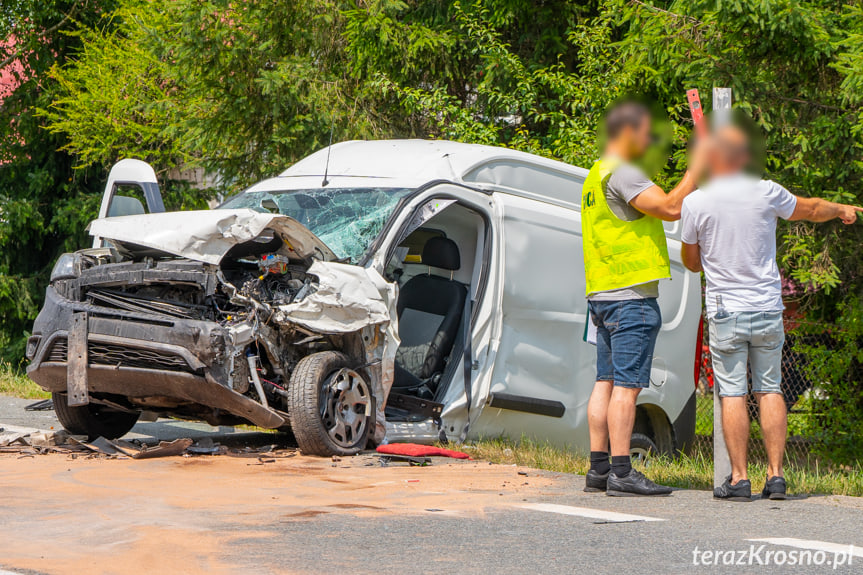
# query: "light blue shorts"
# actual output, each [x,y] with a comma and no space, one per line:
[750,337]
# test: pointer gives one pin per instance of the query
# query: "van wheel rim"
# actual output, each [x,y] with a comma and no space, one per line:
[640,454]
[345,402]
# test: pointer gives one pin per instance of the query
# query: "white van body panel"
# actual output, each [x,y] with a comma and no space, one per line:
[541,353]
[528,332]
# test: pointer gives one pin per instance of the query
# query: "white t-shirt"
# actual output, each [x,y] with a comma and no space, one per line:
[733,220]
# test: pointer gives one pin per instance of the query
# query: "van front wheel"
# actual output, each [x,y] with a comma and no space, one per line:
[330,405]
[92,420]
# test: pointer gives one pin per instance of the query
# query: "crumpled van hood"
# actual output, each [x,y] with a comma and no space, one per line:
[207,235]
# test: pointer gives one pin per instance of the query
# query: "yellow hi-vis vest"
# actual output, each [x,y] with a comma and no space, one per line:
[618,254]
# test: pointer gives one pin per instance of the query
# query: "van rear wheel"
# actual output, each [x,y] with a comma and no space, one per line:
[92,420]
[330,405]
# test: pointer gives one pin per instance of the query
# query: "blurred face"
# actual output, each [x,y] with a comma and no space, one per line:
[639,138]
[729,151]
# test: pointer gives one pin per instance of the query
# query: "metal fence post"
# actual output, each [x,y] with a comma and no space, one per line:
[721,461]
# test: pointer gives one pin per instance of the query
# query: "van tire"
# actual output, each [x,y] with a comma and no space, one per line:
[306,406]
[642,448]
[92,420]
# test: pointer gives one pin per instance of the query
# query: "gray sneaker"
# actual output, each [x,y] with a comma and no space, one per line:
[634,485]
[741,491]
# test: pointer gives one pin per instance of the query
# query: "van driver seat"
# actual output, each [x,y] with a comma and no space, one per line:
[429,310]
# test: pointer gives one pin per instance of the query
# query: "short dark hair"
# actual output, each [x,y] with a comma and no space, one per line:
[625,114]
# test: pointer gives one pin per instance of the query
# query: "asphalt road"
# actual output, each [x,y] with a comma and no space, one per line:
[296,514]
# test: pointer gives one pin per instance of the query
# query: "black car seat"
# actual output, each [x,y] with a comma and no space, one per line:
[429,309]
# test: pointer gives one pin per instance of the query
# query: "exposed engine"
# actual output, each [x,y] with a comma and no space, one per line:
[241,295]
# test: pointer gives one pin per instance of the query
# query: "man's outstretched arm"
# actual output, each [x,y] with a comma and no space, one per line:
[818,210]
[655,202]
[691,256]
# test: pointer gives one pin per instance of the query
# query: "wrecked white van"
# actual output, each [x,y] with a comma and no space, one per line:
[382,290]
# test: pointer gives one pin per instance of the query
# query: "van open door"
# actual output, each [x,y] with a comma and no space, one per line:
[131,185]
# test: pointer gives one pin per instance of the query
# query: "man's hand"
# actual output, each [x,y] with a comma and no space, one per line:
[848,214]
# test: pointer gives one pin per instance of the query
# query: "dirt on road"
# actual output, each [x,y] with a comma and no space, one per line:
[178,515]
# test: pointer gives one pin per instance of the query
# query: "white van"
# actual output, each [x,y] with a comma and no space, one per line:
[446,239]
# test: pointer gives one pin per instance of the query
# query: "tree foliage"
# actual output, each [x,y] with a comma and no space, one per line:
[44,202]
[245,88]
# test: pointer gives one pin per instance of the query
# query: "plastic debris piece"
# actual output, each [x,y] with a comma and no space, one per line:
[164,449]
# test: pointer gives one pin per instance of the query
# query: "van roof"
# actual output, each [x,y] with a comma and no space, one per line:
[416,162]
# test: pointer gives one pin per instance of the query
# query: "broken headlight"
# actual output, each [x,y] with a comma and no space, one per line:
[67,266]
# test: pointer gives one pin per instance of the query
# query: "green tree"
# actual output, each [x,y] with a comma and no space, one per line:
[243,89]
[44,203]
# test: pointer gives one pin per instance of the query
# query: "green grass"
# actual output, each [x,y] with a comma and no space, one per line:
[13,382]
[691,472]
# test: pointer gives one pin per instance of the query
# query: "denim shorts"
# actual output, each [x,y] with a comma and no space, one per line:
[752,338]
[625,339]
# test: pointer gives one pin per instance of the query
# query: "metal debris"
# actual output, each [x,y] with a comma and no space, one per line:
[206,446]
[12,438]
[164,449]
[42,405]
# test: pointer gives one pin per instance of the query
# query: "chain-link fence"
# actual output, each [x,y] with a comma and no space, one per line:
[796,387]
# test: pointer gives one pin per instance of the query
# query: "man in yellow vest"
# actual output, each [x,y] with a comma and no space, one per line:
[625,256]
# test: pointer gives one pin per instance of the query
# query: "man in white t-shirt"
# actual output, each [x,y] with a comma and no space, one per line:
[729,232]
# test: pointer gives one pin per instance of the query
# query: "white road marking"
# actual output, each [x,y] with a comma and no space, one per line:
[610,516]
[826,546]
[2,572]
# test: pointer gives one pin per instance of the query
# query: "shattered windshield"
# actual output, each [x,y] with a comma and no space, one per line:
[346,219]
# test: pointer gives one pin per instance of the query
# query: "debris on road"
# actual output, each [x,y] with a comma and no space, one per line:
[41,405]
[416,450]
[386,459]
[164,449]
[206,446]
[7,439]
[50,438]
[35,441]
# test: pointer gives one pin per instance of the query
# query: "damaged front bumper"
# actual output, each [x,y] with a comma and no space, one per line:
[128,355]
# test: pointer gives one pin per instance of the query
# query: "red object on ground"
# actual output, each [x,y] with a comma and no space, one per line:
[416,450]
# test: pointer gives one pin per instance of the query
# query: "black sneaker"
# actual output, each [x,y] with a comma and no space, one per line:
[774,489]
[595,481]
[742,491]
[633,485]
